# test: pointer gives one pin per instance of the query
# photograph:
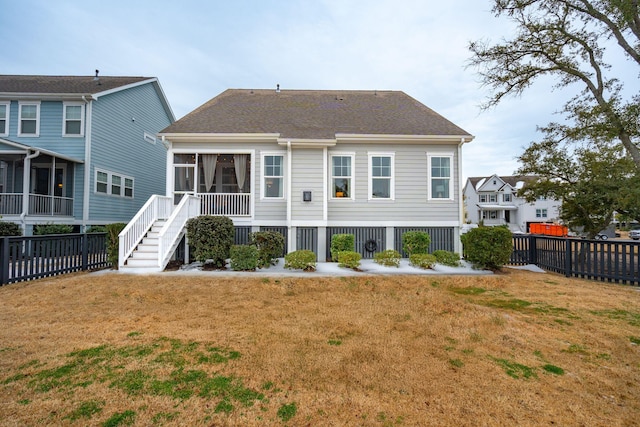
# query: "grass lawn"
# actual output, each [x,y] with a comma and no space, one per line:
[518,348]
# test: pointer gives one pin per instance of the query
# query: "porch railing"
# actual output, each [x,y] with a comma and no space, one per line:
[10,203]
[174,229]
[226,204]
[40,204]
[157,207]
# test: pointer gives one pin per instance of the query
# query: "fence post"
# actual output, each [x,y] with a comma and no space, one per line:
[85,251]
[533,254]
[4,261]
[567,257]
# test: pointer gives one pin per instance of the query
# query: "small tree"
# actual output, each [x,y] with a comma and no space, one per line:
[113,243]
[488,247]
[211,237]
[270,246]
[416,242]
[342,243]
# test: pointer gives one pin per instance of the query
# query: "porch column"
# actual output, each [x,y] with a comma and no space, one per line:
[26,181]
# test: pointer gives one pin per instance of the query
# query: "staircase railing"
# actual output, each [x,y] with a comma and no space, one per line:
[157,207]
[173,230]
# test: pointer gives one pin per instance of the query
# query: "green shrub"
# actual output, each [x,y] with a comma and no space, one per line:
[349,259]
[451,259]
[342,243]
[45,229]
[113,242]
[416,242]
[10,229]
[422,260]
[488,247]
[389,258]
[97,229]
[211,238]
[270,246]
[244,257]
[300,260]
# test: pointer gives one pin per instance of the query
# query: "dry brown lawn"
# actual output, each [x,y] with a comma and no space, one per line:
[517,348]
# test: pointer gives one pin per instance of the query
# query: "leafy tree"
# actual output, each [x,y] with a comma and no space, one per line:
[591,183]
[567,40]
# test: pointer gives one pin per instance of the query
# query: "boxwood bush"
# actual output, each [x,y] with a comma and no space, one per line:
[45,229]
[443,257]
[211,238]
[244,257]
[422,260]
[389,258]
[300,260]
[342,243]
[10,229]
[488,247]
[270,246]
[349,259]
[416,242]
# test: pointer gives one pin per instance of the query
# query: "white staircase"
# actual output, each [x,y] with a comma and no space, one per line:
[145,255]
[148,242]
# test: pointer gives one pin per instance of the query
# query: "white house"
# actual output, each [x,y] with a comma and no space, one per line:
[494,201]
[310,164]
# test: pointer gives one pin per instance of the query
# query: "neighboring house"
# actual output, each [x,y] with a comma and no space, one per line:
[80,150]
[311,164]
[494,201]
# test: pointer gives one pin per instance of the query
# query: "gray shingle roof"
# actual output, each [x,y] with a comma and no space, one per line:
[315,114]
[512,180]
[63,84]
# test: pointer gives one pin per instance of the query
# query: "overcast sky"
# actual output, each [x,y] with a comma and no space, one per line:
[197,49]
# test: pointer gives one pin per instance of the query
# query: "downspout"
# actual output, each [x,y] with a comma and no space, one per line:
[289,193]
[26,179]
[460,196]
[87,163]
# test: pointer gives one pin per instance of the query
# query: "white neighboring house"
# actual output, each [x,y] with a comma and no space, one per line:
[494,201]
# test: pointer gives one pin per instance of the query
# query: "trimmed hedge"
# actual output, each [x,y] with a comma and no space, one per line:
[46,229]
[416,242]
[244,258]
[422,260]
[349,259]
[300,260]
[270,246]
[389,258]
[488,247]
[10,229]
[211,238]
[443,257]
[342,243]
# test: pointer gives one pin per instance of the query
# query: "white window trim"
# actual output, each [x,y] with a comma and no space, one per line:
[8,112]
[110,176]
[353,177]
[392,178]
[29,135]
[264,154]
[451,177]
[64,119]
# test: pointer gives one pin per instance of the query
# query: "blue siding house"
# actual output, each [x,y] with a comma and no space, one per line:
[80,150]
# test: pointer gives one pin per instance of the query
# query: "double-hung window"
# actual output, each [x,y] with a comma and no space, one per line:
[114,184]
[273,175]
[506,197]
[342,176]
[381,176]
[440,177]
[73,119]
[541,213]
[4,118]
[29,113]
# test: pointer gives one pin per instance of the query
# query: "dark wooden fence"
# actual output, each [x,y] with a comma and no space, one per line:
[34,257]
[606,260]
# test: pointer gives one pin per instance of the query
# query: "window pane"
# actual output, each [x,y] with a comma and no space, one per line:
[72,128]
[183,179]
[29,112]
[28,126]
[273,165]
[381,166]
[341,166]
[440,188]
[128,192]
[74,112]
[273,187]
[3,124]
[342,187]
[381,188]
[184,159]
[116,181]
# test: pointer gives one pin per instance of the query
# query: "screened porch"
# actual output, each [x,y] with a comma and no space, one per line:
[222,181]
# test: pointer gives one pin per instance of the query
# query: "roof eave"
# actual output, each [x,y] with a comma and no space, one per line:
[219,137]
[44,96]
[421,139]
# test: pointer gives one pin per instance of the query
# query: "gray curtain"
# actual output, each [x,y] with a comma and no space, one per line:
[209,162]
[240,164]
